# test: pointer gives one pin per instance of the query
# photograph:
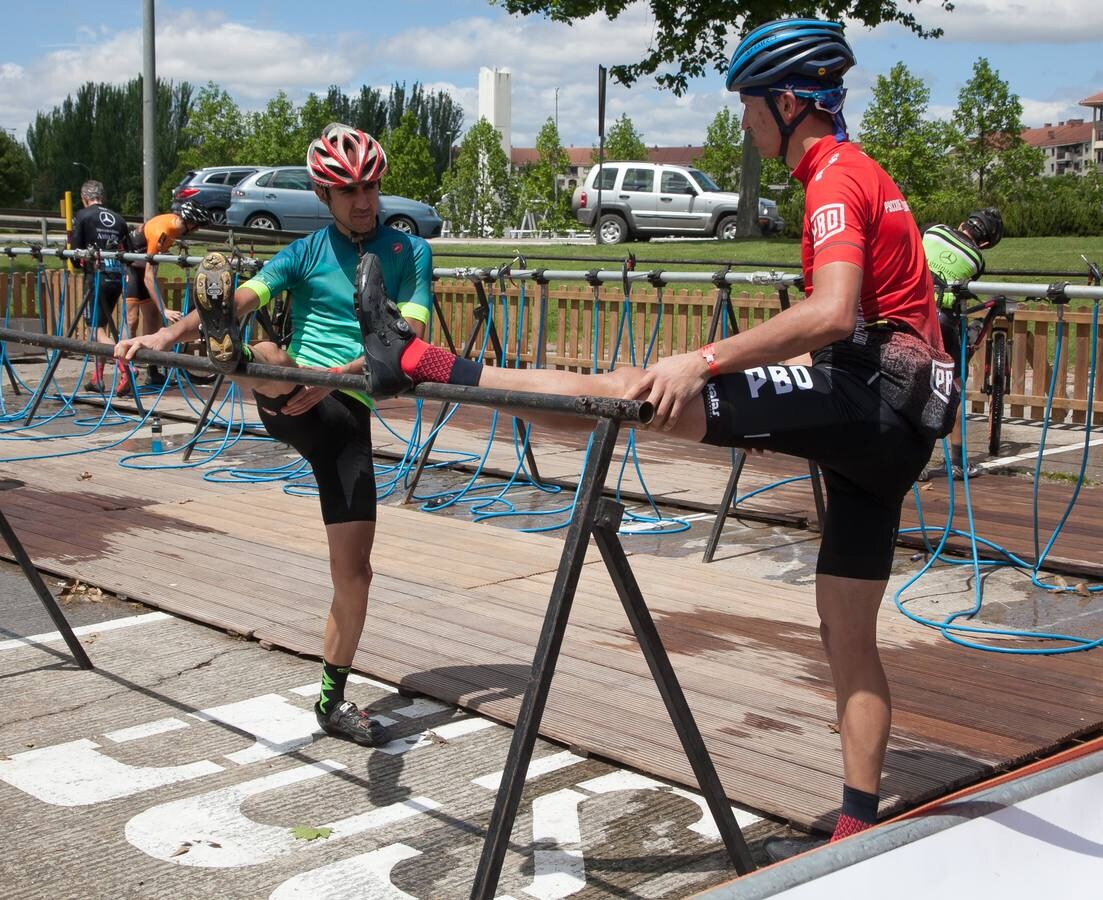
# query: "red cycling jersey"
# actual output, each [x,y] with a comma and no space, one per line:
[854,212]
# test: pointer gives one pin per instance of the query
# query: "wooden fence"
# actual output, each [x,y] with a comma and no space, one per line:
[582,328]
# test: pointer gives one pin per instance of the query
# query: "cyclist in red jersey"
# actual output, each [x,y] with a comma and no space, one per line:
[866,405]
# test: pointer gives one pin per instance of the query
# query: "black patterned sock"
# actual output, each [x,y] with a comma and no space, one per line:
[333,685]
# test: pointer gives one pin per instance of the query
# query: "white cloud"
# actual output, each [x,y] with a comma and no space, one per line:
[251,63]
[1022,22]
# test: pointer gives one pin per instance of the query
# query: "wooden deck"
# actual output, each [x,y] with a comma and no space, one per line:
[457,607]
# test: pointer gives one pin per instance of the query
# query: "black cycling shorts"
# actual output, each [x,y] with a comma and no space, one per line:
[100,300]
[868,454]
[334,436]
[136,284]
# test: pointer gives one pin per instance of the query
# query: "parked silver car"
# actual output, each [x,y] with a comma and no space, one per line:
[642,199]
[283,198]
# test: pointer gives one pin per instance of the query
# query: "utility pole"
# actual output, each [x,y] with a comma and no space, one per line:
[557,110]
[149,113]
[601,70]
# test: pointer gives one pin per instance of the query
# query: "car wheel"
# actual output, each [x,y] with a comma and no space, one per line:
[727,228]
[218,217]
[612,229]
[403,224]
[263,220]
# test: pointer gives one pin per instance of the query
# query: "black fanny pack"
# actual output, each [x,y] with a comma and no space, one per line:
[917,381]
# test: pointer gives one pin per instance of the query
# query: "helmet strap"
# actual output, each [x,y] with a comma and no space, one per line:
[785,128]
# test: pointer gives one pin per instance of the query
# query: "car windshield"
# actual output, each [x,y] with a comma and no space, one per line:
[703,181]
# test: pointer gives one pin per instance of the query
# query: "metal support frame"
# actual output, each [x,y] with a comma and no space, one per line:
[11,375]
[594,515]
[261,317]
[725,509]
[600,517]
[48,601]
[483,316]
[52,366]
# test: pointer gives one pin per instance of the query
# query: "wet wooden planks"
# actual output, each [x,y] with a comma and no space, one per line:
[457,609]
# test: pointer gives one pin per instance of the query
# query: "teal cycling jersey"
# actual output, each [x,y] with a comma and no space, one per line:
[951,257]
[319,272]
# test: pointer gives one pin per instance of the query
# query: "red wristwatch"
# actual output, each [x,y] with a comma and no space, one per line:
[708,354]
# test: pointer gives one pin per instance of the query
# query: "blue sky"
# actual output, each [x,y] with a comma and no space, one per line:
[1049,53]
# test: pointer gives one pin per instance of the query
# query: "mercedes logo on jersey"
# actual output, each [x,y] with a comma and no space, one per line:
[107,218]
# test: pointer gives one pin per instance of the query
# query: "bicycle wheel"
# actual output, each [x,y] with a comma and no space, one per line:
[995,398]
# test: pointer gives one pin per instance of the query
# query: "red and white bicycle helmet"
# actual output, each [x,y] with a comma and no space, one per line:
[345,155]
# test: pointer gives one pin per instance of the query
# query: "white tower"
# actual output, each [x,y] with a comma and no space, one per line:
[494,103]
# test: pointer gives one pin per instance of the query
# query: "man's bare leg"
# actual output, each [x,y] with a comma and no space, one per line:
[690,426]
[150,316]
[350,546]
[848,609]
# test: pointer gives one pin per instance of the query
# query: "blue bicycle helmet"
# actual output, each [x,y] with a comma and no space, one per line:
[806,56]
[806,49]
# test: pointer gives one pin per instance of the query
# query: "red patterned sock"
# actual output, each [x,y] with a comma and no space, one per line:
[422,361]
[848,825]
[99,369]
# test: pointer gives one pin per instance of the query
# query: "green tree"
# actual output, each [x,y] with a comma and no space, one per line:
[316,113]
[16,172]
[540,192]
[987,125]
[96,132]
[409,163]
[723,155]
[212,136]
[273,137]
[623,142]
[692,35]
[480,193]
[895,132]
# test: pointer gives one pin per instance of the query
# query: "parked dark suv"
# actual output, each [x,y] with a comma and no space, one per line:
[210,187]
[642,199]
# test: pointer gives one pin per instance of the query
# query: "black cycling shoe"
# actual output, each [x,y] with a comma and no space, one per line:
[384,331]
[214,299]
[154,376]
[959,473]
[779,849]
[348,722]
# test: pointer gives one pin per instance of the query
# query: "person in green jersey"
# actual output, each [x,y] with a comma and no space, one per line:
[331,429]
[954,255]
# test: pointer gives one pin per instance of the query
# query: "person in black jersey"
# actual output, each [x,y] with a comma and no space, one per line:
[95,226]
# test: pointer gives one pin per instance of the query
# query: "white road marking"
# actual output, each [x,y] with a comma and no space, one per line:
[537,767]
[217,834]
[366,876]
[213,827]
[315,687]
[136,732]
[277,726]
[422,706]
[50,637]
[75,774]
[558,871]
[555,817]
[448,732]
[1001,461]
[631,781]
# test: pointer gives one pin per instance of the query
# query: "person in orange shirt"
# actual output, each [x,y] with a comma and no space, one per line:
[144,306]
